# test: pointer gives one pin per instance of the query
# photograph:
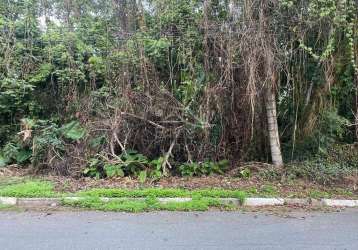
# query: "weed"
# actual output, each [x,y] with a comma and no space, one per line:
[194,205]
[163,192]
[136,193]
[96,204]
[149,204]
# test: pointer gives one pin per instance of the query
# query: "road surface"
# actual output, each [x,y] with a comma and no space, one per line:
[169,230]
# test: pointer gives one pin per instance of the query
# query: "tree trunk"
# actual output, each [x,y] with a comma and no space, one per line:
[274,138]
[356,115]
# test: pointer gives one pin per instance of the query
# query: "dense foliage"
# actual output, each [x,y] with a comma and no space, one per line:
[152,87]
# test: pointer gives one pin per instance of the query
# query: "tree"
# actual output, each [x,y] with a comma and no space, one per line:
[274,138]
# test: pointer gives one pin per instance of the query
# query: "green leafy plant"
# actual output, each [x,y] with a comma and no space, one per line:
[46,138]
[133,163]
[93,169]
[130,163]
[40,140]
[203,168]
[73,130]
[14,153]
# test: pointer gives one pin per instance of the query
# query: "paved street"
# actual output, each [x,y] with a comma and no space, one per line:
[168,230]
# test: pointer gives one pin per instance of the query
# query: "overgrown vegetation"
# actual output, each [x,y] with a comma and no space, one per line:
[153,88]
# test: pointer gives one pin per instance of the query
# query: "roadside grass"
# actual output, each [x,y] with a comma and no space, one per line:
[28,189]
[147,205]
[202,199]
[265,191]
[34,188]
[162,193]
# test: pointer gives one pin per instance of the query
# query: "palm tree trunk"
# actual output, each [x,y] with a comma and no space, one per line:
[356,115]
[274,138]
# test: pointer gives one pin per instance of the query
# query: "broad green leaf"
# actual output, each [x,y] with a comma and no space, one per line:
[23,155]
[73,130]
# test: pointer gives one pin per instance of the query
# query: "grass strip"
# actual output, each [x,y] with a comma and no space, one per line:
[28,189]
[162,193]
[34,188]
[149,204]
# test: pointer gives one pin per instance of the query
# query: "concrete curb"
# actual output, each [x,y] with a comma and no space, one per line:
[297,201]
[339,203]
[249,202]
[259,202]
[8,201]
[38,202]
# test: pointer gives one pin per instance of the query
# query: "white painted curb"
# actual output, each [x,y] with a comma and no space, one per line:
[230,201]
[8,201]
[249,202]
[257,202]
[167,200]
[35,202]
[339,203]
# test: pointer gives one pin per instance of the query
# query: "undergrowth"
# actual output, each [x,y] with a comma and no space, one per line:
[334,166]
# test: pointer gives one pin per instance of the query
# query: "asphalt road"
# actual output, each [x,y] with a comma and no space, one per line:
[168,230]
